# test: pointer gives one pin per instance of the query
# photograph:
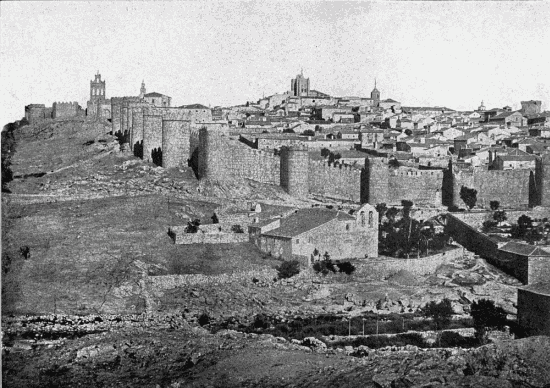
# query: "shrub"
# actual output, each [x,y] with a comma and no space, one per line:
[288,269]
[489,224]
[237,229]
[440,312]
[324,266]
[486,316]
[346,267]
[261,321]
[204,319]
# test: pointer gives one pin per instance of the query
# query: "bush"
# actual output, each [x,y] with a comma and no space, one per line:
[346,267]
[486,316]
[440,312]
[288,269]
[204,319]
[324,266]
[489,224]
[237,229]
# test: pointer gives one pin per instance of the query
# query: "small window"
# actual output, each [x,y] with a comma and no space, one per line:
[362,218]
[297,241]
[310,240]
[370,219]
[347,226]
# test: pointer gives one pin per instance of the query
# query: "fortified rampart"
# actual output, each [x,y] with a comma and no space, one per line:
[65,110]
[152,136]
[335,181]
[116,103]
[509,187]
[245,162]
[419,186]
[470,238]
[35,113]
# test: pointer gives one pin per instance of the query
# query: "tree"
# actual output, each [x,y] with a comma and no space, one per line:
[325,152]
[391,213]
[288,269]
[308,132]
[486,317]
[494,205]
[381,208]
[407,205]
[468,196]
[408,132]
[215,219]
[500,216]
[393,163]
[440,313]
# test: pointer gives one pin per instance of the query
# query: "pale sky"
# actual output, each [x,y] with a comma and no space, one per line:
[451,54]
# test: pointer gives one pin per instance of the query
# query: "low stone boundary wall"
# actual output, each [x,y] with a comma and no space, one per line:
[166,282]
[475,218]
[382,267]
[210,238]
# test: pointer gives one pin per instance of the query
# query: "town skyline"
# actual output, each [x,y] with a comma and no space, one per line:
[422,54]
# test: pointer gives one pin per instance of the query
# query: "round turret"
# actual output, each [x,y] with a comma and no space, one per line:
[544,181]
[295,170]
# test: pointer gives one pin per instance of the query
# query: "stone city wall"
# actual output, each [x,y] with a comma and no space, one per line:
[35,113]
[472,239]
[335,181]
[419,186]
[194,115]
[63,110]
[116,104]
[509,187]
[152,136]
[245,162]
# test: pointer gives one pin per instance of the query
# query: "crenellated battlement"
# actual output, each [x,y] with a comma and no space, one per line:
[417,173]
[343,168]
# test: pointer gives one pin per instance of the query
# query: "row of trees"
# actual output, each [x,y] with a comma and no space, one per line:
[485,314]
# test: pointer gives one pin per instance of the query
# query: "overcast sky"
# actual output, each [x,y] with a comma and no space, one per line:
[451,54]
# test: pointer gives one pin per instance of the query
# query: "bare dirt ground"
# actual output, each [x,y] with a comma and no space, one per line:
[95,221]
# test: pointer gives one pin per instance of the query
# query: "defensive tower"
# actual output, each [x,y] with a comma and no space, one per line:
[377,180]
[295,170]
[175,143]
[544,180]
[212,164]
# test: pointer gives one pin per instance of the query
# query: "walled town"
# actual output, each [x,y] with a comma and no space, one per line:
[311,237]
